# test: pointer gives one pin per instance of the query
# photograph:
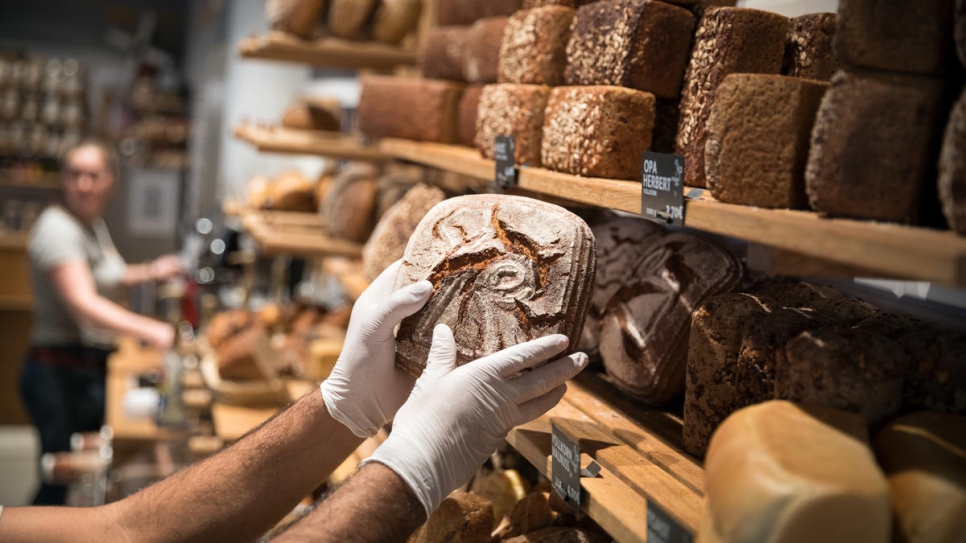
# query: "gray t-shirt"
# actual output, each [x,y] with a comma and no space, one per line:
[56,238]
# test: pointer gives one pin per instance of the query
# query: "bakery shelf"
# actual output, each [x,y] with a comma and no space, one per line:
[302,241]
[276,139]
[349,273]
[325,52]
[637,449]
[883,250]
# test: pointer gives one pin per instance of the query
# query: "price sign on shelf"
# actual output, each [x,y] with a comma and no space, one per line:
[661,528]
[662,188]
[506,170]
[565,466]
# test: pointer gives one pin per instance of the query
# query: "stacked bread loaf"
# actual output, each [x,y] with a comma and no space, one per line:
[417,109]
[387,21]
[349,209]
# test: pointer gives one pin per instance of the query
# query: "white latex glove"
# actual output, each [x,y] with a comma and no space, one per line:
[365,389]
[457,416]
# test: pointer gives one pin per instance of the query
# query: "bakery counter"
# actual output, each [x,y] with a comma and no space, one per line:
[832,245]
[277,139]
[325,52]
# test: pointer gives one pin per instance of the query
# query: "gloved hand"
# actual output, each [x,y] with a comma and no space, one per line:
[457,416]
[365,389]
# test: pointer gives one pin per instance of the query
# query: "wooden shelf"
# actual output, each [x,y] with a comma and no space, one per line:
[638,450]
[325,52]
[302,241]
[276,139]
[884,250]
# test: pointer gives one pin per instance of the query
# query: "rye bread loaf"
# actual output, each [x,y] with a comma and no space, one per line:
[466,12]
[296,17]
[645,326]
[758,138]
[845,311]
[462,517]
[397,179]
[952,168]
[794,293]
[597,131]
[639,44]
[717,329]
[728,40]
[508,109]
[444,52]
[906,37]
[959,33]
[305,116]
[667,114]
[388,241]
[395,19]
[808,47]
[291,191]
[782,472]
[923,457]
[481,58]
[468,111]
[349,210]
[348,17]
[534,46]
[416,109]
[846,369]
[504,269]
[873,146]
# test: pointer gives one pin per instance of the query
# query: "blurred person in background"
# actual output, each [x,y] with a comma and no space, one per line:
[77,276]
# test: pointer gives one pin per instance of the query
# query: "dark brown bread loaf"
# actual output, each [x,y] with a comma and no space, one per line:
[852,370]
[645,327]
[462,517]
[292,192]
[534,47]
[728,40]
[794,293]
[395,182]
[700,5]
[952,168]
[466,12]
[960,31]
[667,114]
[843,310]
[416,109]
[561,535]
[468,109]
[297,17]
[236,356]
[572,4]
[639,44]
[444,52]
[388,241]
[597,131]
[481,58]
[349,209]
[348,17]
[717,328]
[530,514]
[808,48]
[514,110]
[873,145]
[758,137]
[303,116]
[395,19]
[505,270]
[908,37]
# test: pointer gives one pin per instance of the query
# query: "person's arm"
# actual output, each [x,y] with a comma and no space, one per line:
[164,267]
[236,495]
[75,285]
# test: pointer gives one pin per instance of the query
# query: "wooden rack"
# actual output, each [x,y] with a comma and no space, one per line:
[328,52]
[276,139]
[883,250]
[274,238]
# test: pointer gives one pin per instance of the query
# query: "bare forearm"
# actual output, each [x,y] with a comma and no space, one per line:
[375,505]
[135,274]
[107,314]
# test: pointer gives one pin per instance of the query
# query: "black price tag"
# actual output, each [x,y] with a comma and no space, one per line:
[565,466]
[506,169]
[661,528]
[662,188]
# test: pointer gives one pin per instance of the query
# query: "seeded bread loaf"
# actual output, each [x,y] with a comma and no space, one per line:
[468,111]
[639,44]
[597,131]
[348,17]
[534,47]
[717,328]
[296,17]
[728,40]
[758,137]
[505,270]
[808,48]
[481,58]
[852,370]
[388,241]
[514,110]
[844,311]
[395,19]
[349,209]
[444,52]
[952,168]
[416,109]
[645,327]
[912,37]
[873,145]
[466,12]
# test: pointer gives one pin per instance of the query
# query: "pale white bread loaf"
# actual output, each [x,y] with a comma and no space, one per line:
[778,472]
[924,457]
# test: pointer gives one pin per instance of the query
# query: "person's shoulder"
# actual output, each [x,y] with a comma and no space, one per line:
[56,222]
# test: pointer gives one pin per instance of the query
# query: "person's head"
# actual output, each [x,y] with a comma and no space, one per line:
[88,173]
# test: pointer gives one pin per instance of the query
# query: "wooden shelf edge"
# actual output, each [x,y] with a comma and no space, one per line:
[276,139]
[889,250]
[325,52]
